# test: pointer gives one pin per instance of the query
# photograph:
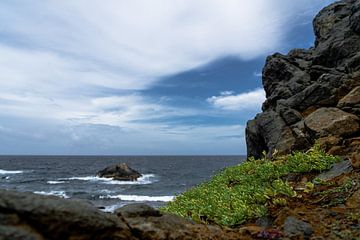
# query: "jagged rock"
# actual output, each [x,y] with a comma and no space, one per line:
[121,172]
[269,128]
[294,227]
[302,82]
[332,121]
[336,170]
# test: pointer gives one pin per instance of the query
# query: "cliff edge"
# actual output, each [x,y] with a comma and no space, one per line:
[313,93]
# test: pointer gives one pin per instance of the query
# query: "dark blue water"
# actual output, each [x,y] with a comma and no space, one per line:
[74,176]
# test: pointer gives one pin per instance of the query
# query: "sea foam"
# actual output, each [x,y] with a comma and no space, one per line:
[138,198]
[3,172]
[53,193]
[145,179]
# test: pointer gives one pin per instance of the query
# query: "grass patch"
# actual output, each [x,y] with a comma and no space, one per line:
[243,192]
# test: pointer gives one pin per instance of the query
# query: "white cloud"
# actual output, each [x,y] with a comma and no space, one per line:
[242,101]
[86,62]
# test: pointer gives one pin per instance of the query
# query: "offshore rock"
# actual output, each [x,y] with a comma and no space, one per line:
[121,172]
[307,86]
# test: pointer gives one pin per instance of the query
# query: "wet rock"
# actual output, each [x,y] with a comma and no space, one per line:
[121,172]
[336,170]
[294,227]
[332,121]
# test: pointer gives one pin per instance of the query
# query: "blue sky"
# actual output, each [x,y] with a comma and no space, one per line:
[139,77]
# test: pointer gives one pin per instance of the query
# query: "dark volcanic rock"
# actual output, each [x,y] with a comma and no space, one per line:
[121,172]
[31,216]
[313,93]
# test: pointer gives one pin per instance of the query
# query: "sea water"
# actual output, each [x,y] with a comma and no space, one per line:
[163,177]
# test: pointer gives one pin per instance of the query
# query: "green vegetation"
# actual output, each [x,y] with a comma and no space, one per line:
[243,192]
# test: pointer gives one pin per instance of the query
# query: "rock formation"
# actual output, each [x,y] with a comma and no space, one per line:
[121,172]
[315,93]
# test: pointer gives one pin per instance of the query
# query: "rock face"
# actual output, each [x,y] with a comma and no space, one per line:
[121,172]
[313,93]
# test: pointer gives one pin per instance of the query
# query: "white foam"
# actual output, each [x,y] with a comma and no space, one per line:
[137,198]
[9,172]
[145,179]
[55,182]
[53,193]
[112,208]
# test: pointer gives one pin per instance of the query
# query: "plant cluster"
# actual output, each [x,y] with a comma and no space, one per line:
[243,192]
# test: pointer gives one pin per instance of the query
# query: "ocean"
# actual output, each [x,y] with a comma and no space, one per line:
[75,177]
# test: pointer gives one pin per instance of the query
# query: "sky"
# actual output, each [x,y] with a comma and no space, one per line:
[159,77]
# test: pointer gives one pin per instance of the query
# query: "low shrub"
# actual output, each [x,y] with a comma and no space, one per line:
[243,192]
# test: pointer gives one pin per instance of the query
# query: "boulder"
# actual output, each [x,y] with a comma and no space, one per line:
[332,121]
[351,102]
[295,228]
[121,172]
[32,216]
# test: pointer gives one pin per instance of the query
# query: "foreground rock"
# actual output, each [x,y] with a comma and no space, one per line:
[313,93]
[31,216]
[121,172]
[37,217]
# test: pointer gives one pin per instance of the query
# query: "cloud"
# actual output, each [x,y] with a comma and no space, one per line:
[242,101]
[86,63]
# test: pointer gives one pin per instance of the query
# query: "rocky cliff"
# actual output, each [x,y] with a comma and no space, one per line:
[313,93]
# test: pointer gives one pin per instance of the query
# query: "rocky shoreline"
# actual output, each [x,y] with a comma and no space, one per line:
[312,95]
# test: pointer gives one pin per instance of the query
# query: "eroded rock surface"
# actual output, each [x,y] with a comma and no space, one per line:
[313,93]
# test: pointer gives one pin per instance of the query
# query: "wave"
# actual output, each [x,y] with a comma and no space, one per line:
[137,198]
[145,179]
[55,182]
[53,193]
[112,208]
[3,172]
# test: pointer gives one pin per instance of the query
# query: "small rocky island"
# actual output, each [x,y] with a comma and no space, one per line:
[312,96]
[120,172]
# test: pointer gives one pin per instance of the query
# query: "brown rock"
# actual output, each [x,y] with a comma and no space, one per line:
[354,200]
[329,141]
[332,121]
[351,102]
[355,160]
